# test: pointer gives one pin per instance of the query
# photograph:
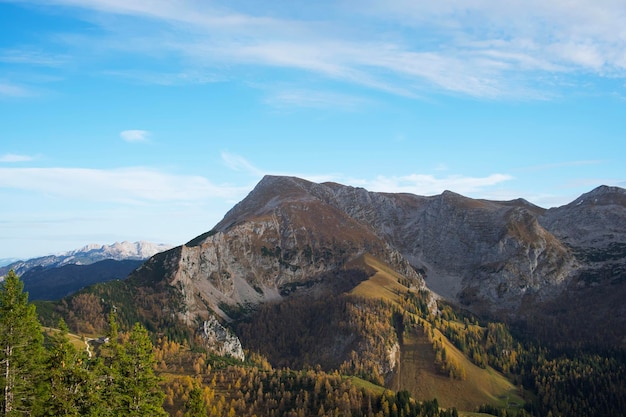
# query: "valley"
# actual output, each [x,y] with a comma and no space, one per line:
[328,284]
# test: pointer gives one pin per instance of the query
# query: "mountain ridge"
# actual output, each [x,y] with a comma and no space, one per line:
[88,254]
[492,257]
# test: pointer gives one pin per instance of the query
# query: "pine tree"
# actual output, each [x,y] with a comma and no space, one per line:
[71,384]
[127,383]
[21,351]
[107,374]
[139,389]
[195,405]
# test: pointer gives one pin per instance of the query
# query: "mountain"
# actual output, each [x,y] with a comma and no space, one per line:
[88,255]
[57,282]
[506,259]
[281,239]
[404,291]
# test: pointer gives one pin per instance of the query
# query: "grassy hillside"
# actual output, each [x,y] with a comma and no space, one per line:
[78,342]
[384,284]
[418,372]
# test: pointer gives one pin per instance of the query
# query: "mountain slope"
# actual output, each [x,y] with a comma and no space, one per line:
[279,240]
[54,283]
[503,258]
[591,310]
[338,277]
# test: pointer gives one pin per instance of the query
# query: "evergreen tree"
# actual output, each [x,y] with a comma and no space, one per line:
[139,389]
[195,405]
[70,379]
[21,351]
[107,374]
[127,383]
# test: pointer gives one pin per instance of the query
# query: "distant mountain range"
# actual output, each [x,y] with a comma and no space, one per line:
[7,261]
[57,282]
[88,254]
[55,276]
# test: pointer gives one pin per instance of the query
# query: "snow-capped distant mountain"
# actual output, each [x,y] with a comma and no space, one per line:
[118,251]
[89,254]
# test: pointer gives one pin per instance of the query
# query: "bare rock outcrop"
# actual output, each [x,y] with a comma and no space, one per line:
[220,340]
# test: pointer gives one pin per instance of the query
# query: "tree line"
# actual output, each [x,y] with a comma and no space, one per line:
[47,375]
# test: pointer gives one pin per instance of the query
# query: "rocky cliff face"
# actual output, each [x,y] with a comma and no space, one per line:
[593,226]
[280,239]
[498,257]
[221,341]
[485,254]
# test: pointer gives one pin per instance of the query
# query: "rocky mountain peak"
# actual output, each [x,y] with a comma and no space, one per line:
[592,221]
[602,195]
[292,236]
[268,194]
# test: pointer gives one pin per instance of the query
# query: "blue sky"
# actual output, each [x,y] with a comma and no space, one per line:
[148,120]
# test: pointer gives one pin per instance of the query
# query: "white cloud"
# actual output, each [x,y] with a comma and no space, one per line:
[135,135]
[426,184]
[13,90]
[134,185]
[289,98]
[239,163]
[472,47]
[12,157]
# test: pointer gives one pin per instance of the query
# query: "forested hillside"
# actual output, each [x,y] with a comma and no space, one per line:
[47,374]
[51,376]
[292,351]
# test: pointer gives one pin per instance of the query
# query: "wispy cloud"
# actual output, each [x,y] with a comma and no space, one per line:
[31,57]
[420,184]
[426,184]
[188,77]
[135,135]
[14,90]
[134,185]
[239,163]
[290,98]
[13,157]
[476,48]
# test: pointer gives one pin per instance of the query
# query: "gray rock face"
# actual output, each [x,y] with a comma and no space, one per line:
[485,254]
[278,240]
[594,227]
[220,341]
[291,235]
